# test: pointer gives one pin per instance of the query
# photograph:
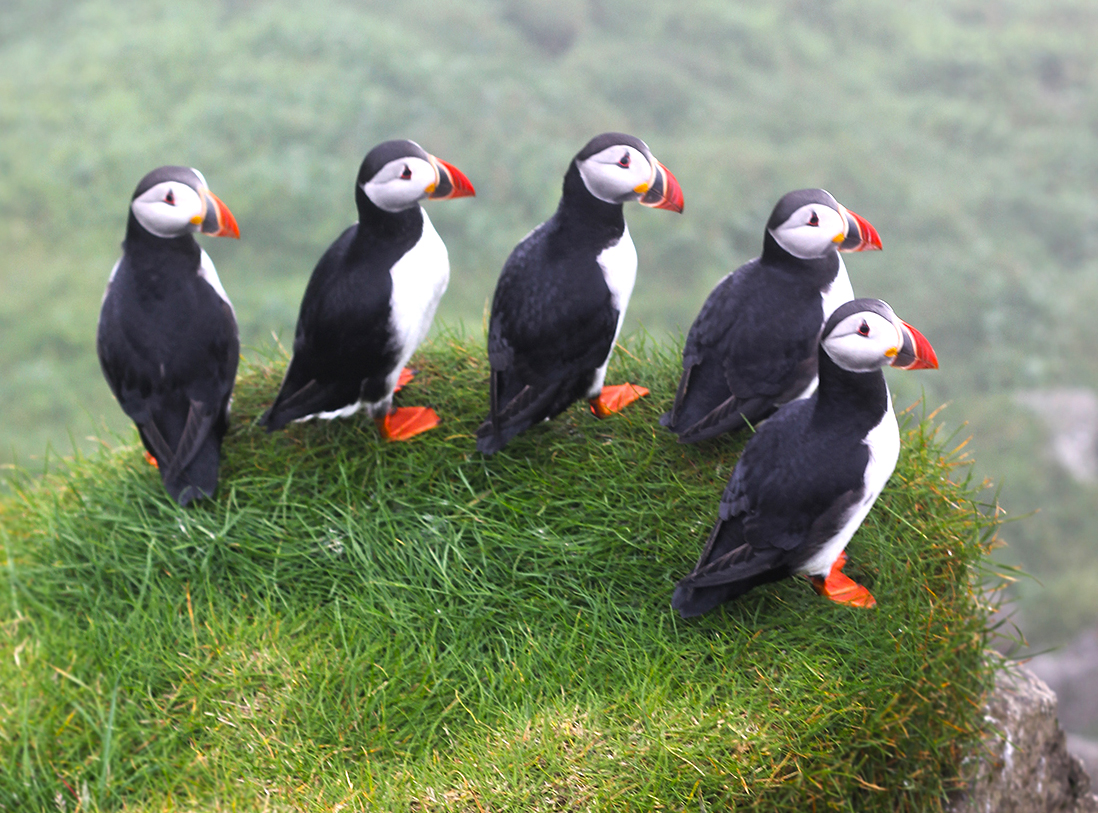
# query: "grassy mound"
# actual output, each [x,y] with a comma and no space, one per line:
[414,626]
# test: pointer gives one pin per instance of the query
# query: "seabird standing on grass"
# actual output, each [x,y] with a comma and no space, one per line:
[167,337]
[372,297]
[752,347]
[809,476]
[561,297]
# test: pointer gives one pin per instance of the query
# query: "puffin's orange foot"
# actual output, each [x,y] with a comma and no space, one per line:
[616,398]
[841,588]
[407,422]
[406,375]
[151,461]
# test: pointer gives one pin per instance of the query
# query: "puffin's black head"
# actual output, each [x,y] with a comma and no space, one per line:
[617,168]
[863,335]
[172,201]
[810,223]
[396,175]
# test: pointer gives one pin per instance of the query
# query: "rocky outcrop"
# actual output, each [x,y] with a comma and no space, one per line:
[1025,766]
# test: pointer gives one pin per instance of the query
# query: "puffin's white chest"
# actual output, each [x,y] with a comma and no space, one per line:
[207,271]
[883,441]
[419,279]
[619,268]
[839,291]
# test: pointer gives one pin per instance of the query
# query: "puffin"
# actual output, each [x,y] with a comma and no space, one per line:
[167,338]
[561,297]
[753,345]
[371,298]
[808,477]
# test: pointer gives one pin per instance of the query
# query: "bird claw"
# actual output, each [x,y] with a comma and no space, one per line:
[616,398]
[407,422]
[841,588]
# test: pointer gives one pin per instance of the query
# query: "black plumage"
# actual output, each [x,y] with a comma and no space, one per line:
[343,346]
[752,346]
[372,295]
[808,476]
[558,304]
[168,346]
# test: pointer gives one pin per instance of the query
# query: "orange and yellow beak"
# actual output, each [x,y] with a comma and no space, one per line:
[860,234]
[662,191]
[916,352]
[217,220]
[450,182]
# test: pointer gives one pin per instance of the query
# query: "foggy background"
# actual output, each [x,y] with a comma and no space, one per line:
[966,131]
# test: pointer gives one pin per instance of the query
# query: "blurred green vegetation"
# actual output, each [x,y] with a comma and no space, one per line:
[966,131]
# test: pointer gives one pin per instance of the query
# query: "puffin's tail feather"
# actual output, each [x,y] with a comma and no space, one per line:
[517,415]
[730,416]
[728,567]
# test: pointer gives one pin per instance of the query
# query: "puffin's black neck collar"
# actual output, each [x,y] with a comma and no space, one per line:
[580,209]
[821,270]
[373,220]
[138,239]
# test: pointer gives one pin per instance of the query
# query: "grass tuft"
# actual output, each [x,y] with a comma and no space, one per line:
[414,626]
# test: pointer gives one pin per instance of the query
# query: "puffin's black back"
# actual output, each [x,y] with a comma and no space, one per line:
[752,346]
[792,489]
[552,318]
[343,348]
[169,349]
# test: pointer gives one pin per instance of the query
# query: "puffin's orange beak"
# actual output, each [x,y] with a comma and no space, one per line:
[218,221]
[451,183]
[860,234]
[664,191]
[916,353]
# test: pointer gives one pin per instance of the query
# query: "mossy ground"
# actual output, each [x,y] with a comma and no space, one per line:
[417,627]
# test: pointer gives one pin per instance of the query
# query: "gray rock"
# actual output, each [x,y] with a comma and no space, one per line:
[1072,672]
[1025,766]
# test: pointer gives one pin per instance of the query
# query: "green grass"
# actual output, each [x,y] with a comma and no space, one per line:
[414,626]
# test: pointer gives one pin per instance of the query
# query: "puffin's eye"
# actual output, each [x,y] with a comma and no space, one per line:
[623,162]
[815,221]
[863,329]
[170,198]
[406,175]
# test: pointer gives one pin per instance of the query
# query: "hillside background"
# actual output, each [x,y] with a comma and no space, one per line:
[966,131]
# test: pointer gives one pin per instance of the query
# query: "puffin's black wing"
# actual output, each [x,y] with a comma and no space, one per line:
[751,348]
[171,363]
[552,326]
[342,346]
[785,499]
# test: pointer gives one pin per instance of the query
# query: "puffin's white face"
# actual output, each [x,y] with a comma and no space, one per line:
[171,208]
[864,341]
[811,231]
[401,184]
[618,174]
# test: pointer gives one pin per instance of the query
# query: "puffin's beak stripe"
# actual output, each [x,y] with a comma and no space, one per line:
[916,353]
[861,236]
[450,183]
[217,221]
[664,192]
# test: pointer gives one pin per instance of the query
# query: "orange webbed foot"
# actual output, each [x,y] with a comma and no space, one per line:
[841,588]
[407,422]
[151,460]
[406,375]
[616,398]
